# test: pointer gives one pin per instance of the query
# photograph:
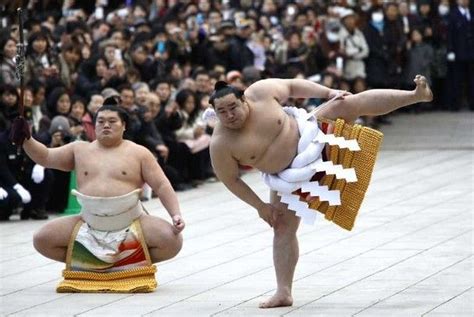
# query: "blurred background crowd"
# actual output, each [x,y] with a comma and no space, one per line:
[162,58]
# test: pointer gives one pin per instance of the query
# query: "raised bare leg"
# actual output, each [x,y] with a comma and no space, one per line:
[53,238]
[285,254]
[376,102]
[163,243]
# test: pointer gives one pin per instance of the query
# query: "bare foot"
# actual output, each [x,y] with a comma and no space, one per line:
[422,90]
[277,300]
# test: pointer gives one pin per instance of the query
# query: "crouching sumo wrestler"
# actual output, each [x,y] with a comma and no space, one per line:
[111,245]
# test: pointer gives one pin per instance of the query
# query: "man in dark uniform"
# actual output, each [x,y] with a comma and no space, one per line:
[461,53]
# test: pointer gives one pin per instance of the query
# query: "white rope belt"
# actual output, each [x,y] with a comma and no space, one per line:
[308,162]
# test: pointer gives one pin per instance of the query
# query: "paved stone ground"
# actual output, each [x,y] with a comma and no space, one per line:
[410,253]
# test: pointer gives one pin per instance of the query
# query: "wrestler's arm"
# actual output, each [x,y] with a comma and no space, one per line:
[61,158]
[282,89]
[154,176]
[227,170]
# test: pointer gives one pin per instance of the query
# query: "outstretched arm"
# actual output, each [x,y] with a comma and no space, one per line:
[282,89]
[154,176]
[61,158]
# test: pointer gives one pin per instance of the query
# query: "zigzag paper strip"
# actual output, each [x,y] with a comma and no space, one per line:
[301,208]
[339,141]
[329,167]
[333,197]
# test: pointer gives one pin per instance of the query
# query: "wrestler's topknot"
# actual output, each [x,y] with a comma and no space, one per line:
[220,84]
[112,101]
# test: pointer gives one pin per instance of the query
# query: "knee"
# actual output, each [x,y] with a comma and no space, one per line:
[172,244]
[41,241]
[176,244]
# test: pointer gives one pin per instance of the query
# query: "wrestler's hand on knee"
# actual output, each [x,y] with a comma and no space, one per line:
[178,223]
[267,213]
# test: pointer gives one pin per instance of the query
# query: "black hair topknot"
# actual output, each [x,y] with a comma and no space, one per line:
[220,84]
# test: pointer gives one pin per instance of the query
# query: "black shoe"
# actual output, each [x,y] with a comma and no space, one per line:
[38,214]
[181,187]
[25,214]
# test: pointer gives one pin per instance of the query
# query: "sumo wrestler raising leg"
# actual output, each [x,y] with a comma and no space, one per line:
[254,129]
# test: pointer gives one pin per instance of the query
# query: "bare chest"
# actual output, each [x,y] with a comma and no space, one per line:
[107,167]
[265,141]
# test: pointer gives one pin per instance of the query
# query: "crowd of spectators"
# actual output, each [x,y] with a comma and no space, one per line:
[162,58]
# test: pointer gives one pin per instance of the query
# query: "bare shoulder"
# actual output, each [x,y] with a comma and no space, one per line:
[265,89]
[80,146]
[133,148]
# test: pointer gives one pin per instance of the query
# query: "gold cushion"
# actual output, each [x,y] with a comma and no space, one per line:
[137,280]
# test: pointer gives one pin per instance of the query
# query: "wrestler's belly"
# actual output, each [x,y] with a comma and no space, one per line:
[281,152]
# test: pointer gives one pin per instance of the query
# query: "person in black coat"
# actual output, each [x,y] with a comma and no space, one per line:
[461,53]
[16,171]
[240,54]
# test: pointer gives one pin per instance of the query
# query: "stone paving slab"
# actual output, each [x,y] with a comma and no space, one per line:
[410,253]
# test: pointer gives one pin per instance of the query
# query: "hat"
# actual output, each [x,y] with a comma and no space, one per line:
[59,123]
[243,23]
[227,24]
[109,92]
[346,13]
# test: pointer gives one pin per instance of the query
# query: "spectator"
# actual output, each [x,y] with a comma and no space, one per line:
[354,47]
[141,91]
[94,104]
[395,40]
[439,64]
[378,59]
[240,54]
[9,198]
[420,55]
[77,113]
[25,182]
[7,64]
[41,63]
[143,62]
[152,139]
[193,134]
[9,102]
[409,20]
[59,134]
[127,102]
[38,108]
[68,64]
[95,75]
[58,103]
[461,54]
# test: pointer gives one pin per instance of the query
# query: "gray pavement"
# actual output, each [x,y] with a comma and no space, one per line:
[410,253]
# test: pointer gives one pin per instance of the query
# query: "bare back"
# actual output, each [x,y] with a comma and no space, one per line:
[268,141]
[108,172]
